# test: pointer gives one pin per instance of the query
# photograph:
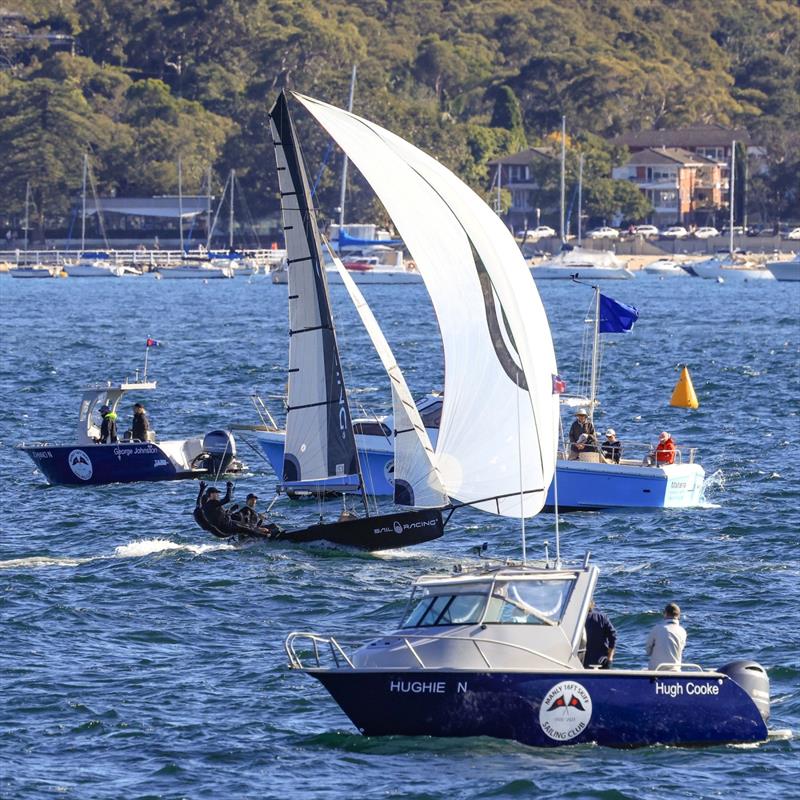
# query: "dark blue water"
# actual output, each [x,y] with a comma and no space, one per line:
[140,659]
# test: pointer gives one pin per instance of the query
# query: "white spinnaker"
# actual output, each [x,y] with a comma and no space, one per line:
[416,478]
[495,438]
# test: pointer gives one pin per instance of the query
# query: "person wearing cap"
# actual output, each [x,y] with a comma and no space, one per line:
[667,640]
[247,514]
[214,508]
[108,428]
[665,450]
[581,427]
[141,425]
[611,448]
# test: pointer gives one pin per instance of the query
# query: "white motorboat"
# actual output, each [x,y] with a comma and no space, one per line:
[376,264]
[785,270]
[664,268]
[728,267]
[97,265]
[194,270]
[34,271]
[587,264]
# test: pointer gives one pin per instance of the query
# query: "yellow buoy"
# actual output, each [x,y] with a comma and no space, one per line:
[684,395]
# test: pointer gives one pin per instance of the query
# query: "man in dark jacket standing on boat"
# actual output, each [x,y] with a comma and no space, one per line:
[601,639]
[141,425]
[108,428]
[582,427]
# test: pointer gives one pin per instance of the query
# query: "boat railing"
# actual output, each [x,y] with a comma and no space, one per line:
[684,667]
[328,644]
[318,644]
[634,454]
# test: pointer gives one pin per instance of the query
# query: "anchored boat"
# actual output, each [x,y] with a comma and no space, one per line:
[85,461]
[498,651]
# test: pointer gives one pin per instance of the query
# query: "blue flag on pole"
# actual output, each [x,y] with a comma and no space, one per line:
[616,317]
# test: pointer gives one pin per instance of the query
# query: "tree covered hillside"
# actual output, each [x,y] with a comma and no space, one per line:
[139,83]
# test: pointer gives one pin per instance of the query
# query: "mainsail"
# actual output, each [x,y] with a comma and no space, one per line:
[319,431]
[497,442]
[416,479]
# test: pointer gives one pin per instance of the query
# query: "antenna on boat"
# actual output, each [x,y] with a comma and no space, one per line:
[521,487]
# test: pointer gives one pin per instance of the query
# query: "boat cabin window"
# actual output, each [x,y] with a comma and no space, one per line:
[529,602]
[372,429]
[450,608]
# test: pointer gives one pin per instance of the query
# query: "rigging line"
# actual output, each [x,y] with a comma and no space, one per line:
[325,158]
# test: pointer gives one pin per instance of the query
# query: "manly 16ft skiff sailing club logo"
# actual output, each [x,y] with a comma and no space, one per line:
[565,711]
[80,464]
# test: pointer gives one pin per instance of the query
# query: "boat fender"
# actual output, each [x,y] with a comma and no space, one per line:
[753,678]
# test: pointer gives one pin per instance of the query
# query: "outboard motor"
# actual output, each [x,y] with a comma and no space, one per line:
[753,678]
[220,449]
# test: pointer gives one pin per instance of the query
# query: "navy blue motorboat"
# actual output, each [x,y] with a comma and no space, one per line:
[86,461]
[498,651]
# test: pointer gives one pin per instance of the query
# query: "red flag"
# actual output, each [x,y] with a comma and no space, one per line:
[153,343]
[559,385]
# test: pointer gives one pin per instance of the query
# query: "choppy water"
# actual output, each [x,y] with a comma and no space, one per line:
[140,659]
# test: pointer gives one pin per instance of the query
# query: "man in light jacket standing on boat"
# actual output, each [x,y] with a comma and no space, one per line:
[666,640]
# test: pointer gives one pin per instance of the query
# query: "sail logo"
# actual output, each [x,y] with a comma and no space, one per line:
[342,409]
[398,527]
[80,464]
[565,711]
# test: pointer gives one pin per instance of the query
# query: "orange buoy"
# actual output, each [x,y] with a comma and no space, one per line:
[684,396]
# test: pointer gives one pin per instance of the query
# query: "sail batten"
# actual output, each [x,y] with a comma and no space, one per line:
[319,434]
[498,431]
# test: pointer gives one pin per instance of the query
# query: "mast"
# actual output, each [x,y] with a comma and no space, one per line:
[344,163]
[180,202]
[595,354]
[731,196]
[580,198]
[27,204]
[83,201]
[230,213]
[208,210]
[320,442]
[563,174]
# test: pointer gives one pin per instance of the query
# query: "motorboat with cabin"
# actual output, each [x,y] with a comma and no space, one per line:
[97,264]
[34,271]
[376,264]
[579,262]
[785,270]
[497,650]
[85,461]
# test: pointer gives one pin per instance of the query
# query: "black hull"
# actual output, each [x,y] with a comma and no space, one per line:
[383,532]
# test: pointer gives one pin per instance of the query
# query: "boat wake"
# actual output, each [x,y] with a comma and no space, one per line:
[135,549]
[713,484]
[146,547]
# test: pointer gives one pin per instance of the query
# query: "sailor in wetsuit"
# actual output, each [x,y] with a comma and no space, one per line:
[247,514]
[214,508]
[108,429]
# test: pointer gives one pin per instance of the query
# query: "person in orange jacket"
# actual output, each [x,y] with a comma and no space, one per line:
[665,450]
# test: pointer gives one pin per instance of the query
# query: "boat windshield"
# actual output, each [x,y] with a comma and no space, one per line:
[450,608]
[528,602]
